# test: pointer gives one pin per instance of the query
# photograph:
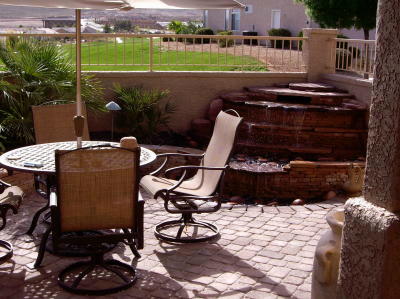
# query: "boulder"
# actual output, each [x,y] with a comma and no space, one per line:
[214,109]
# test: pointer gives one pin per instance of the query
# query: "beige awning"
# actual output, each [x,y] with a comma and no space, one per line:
[127,4]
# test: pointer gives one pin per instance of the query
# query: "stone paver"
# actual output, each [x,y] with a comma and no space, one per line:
[262,253]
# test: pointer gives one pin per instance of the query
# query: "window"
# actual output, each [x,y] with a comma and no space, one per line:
[248,9]
[275,18]
[235,20]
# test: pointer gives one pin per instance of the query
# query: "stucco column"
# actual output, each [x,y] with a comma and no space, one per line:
[370,255]
[319,52]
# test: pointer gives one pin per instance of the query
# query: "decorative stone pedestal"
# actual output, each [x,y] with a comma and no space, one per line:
[327,257]
[370,256]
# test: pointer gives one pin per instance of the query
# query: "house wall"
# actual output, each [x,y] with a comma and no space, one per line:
[293,17]
[191,92]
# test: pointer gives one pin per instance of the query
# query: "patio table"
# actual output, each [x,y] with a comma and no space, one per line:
[43,156]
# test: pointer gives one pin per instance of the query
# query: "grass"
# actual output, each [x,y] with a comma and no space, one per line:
[136,51]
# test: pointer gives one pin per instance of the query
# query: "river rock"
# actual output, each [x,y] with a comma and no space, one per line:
[298,202]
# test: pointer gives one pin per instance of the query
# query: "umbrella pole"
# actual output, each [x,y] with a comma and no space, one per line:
[78,119]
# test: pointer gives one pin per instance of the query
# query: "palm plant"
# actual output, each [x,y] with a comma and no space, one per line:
[142,113]
[37,73]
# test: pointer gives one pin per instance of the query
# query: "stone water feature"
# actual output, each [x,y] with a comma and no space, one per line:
[297,140]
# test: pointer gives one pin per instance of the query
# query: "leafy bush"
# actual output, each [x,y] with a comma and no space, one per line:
[142,114]
[280,32]
[37,72]
[203,31]
[224,43]
[300,43]
[343,58]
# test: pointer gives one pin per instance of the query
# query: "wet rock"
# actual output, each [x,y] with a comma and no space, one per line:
[262,160]
[201,127]
[193,143]
[215,108]
[241,159]
[326,159]
[330,195]
[298,159]
[272,204]
[298,202]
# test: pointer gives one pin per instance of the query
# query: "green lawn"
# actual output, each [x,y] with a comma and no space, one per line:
[136,51]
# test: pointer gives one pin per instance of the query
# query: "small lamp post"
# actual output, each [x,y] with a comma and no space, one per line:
[112,107]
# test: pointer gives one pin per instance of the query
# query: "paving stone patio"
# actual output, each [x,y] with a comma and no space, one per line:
[263,252]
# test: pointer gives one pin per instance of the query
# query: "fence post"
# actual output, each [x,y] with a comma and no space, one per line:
[151,54]
[319,52]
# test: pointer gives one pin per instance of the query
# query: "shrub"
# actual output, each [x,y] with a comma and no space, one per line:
[142,115]
[37,73]
[224,43]
[280,32]
[167,39]
[343,58]
[300,43]
[203,31]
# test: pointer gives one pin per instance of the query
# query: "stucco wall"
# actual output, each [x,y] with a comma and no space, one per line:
[190,91]
[293,17]
[359,87]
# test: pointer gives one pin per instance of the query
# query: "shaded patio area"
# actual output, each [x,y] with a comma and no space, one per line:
[263,252]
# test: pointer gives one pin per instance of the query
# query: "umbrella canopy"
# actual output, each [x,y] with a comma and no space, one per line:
[127,4]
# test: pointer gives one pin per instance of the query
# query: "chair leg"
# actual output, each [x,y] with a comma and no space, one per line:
[42,248]
[132,245]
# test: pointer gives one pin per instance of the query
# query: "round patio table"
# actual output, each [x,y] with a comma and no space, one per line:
[43,154]
[42,160]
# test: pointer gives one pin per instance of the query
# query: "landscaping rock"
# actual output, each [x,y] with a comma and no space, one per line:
[214,109]
[298,202]
[330,195]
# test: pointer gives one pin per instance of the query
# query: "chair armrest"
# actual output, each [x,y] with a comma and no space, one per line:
[53,199]
[3,186]
[167,155]
[184,168]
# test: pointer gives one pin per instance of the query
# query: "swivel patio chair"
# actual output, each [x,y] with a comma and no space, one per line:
[96,204]
[10,199]
[199,194]
[54,123]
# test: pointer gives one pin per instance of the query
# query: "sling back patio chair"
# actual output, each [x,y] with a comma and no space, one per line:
[10,199]
[54,123]
[199,194]
[96,203]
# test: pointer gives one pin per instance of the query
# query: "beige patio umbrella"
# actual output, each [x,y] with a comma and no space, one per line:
[113,4]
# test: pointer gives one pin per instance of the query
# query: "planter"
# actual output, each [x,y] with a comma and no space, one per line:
[327,257]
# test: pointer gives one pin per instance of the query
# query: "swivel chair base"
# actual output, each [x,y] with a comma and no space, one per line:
[182,223]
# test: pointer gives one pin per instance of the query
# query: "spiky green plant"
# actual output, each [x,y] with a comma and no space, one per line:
[37,73]
[145,113]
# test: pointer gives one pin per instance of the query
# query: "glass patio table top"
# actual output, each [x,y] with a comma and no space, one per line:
[41,156]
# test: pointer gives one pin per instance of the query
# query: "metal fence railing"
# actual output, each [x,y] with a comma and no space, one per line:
[154,52]
[354,55]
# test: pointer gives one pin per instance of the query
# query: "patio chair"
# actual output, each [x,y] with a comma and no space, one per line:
[96,202]
[199,194]
[54,123]
[10,199]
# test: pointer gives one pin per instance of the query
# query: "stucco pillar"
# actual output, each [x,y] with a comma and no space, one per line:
[370,255]
[319,52]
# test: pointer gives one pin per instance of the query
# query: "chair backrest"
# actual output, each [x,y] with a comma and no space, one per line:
[218,152]
[97,188]
[54,123]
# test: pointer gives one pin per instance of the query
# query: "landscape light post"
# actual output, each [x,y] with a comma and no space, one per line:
[112,107]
